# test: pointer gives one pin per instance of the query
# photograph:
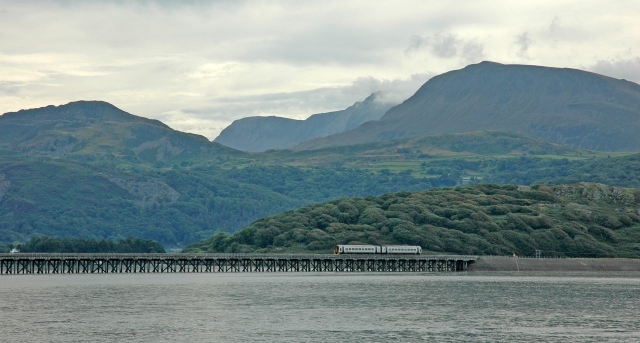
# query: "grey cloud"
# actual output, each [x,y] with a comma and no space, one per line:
[554,27]
[622,69]
[447,45]
[473,52]
[558,31]
[523,42]
[10,88]
[443,45]
[416,44]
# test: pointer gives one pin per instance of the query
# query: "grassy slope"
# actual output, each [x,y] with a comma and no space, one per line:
[590,220]
[482,143]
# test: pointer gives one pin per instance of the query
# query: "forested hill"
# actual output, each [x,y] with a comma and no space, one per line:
[173,206]
[579,220]
[560,105]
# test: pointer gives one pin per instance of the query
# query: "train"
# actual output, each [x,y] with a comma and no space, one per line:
[377,249]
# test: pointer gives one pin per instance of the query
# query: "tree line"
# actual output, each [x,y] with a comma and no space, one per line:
[45,244]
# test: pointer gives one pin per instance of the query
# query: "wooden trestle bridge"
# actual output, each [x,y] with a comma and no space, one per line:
[22,263]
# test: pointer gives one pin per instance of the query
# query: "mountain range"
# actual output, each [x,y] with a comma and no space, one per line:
[257,134]
[560,105]
[88,169]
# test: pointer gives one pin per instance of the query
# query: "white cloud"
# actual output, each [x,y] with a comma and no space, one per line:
[199,64]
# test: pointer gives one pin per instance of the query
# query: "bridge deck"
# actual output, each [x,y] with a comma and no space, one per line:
[219,263]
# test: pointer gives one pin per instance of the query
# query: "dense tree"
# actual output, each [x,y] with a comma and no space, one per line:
[590,220]
[44,244]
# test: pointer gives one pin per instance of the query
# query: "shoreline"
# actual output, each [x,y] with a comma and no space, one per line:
[509,264]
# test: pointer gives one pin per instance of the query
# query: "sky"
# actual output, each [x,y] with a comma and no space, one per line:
[198,65]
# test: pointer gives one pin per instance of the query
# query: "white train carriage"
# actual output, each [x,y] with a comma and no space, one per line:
[377,249]
[403,249]
[357,249]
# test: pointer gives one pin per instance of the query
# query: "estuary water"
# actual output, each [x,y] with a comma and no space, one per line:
[323,307]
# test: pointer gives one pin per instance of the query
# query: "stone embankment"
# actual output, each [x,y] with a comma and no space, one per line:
[504,264]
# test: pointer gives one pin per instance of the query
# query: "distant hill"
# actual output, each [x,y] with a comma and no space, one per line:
[257,134]
[87,130]
[565,106]
[459,145]
[579,220]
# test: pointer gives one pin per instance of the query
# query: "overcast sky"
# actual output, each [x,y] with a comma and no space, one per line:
[198,65]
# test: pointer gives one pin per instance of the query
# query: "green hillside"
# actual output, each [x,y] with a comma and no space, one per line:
[174,206]
[116,175]
[580,220]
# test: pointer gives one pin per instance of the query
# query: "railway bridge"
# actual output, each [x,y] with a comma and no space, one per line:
[27,263]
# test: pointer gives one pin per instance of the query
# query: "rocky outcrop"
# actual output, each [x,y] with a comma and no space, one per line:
[147,193]
[54,145]
[163,149]
[597,192]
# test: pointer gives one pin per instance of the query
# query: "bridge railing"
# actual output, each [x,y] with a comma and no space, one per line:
[182,256]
